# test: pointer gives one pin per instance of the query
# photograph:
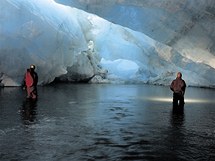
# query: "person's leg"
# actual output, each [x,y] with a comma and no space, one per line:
[33,93]
[181,101]
[175,99]
[28,89]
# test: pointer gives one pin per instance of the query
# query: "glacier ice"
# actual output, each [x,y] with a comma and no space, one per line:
[187,26]
[72,45]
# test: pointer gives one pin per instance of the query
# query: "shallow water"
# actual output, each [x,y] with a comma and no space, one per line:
[106,122]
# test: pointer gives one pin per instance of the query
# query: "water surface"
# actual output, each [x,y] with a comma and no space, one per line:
[106,122]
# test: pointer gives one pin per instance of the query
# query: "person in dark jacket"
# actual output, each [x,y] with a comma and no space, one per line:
[178,86]
[30,82]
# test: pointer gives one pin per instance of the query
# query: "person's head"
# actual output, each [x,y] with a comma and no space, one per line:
[179,75]
[32,67]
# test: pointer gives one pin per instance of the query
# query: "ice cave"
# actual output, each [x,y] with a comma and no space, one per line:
[105,70]
[108,42]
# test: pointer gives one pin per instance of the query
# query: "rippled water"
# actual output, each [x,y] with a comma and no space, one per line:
[85,122]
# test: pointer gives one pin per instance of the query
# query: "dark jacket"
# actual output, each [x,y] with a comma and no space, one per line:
[178,86]
[35,77]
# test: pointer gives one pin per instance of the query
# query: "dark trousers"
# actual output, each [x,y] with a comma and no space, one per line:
[178,99]
[31,92]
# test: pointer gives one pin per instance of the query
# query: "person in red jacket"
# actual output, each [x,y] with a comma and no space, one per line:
[30,82]
[178,86]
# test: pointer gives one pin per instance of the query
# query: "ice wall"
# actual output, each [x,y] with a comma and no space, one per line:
[74,45]
[42,33]
[186,25]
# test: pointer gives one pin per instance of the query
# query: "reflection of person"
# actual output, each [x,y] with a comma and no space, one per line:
[30,82]
[178,87]
[28,111]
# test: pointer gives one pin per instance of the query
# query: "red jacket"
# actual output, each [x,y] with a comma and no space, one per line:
[31,78]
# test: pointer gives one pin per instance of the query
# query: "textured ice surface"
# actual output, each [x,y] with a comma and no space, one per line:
[74,45]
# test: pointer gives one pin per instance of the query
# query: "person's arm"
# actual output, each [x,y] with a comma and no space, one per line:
[35,79]
[184,87]
[172,86]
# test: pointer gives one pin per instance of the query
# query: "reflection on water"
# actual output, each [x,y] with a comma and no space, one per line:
[177,119]
[188,100]
[106,122]
[28,111]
